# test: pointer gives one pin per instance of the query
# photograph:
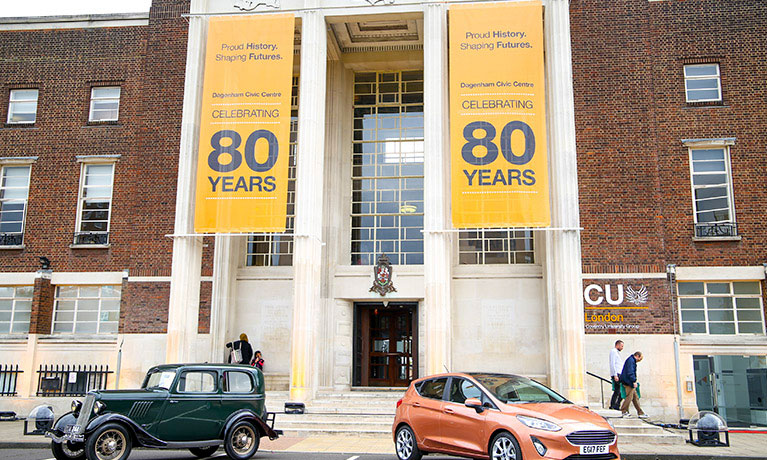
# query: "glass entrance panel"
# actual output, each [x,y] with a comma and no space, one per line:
[733,386]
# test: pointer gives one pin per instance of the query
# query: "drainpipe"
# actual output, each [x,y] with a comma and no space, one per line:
[671,276]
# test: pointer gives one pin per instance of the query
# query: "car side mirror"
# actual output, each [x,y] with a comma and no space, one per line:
[475,404]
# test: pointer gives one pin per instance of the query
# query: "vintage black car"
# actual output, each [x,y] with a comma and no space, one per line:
[181,406]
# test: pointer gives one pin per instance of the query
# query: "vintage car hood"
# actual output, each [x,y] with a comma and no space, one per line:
[561,414]
[137,395]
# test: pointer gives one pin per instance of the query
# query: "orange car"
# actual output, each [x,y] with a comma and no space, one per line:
[503,417]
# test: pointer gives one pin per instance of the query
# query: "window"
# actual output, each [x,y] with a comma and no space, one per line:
[95,204]
[14,191]
[702,83]
[105,103]
[22,107]
[462,389]
[488,246]
[712,192]
[277,249]
[86,309]
[15,309]
[238,382]
[434,389]
[387,168]
[721,307]
[197,382]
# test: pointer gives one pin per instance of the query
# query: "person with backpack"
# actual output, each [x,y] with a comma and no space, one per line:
[240,351]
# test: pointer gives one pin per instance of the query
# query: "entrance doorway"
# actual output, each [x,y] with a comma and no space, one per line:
[735,387]
[385,344]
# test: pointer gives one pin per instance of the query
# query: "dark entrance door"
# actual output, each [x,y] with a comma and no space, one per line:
[385,344]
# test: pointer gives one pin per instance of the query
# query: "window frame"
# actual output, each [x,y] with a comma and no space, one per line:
[718,77]
[226,386]
[3,167]
[56,309]
[97,99]
[182,376]
[729,186]
[81,198]
[14,301]
[11,102]
[731,295]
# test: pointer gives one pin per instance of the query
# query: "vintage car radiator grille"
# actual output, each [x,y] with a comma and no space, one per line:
[139,409]
[591,438]
[85,414]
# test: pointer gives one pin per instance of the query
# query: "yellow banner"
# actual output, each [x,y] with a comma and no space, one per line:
[242,169]
[497,116]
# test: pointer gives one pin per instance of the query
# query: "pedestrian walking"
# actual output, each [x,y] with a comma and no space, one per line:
[616,365]
[631,385]
[240,351]
[258,360]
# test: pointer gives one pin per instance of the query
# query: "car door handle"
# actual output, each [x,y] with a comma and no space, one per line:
[449,411]
[172,401]
[415,404]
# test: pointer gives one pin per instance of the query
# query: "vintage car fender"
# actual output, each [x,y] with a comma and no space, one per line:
[143,438]
[67,419]
[249,415]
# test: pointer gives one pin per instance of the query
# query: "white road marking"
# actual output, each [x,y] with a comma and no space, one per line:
[353,458]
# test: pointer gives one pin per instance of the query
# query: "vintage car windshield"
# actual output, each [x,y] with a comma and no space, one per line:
[516,390]
[160,379]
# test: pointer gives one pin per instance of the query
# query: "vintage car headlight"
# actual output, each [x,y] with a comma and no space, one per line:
[76,405]
[538,424]
[98,407]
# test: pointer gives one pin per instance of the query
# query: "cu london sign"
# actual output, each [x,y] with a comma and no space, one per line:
[595,295]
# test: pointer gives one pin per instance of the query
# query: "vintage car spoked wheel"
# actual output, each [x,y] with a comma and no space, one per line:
[203,452]
[68,450]
[242,441]
[407,449]
[504,447]
[108,442]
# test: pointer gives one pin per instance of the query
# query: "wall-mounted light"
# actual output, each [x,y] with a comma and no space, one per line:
[45,263]
[671,272]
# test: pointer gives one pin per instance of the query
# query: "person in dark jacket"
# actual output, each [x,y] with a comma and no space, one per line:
[629,380]
[258,360]
[246,351]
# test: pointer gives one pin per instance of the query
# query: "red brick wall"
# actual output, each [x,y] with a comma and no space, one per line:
[41,317]
[144,308]
[206,288]
[631,114]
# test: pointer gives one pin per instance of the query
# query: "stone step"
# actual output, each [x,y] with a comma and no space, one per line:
[337,418]
[634,429]
[338,426]
[360,433]
[654,438]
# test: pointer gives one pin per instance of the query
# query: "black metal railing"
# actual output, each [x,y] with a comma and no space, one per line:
[602,382]
[70,380]
[11,239]
[91,237]
[716,230]
[9,376]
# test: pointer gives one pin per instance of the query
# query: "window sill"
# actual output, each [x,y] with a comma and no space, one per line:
[14,338]
[17,247]
[705,104]
[93,124]
[715,239]
[79,338]
[90,246]
[19,125]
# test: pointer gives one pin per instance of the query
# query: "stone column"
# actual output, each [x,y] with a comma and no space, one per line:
[184,303]
[307,250]
[438,244]
[563,248]
[222,299]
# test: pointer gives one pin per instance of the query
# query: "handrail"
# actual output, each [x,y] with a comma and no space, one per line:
[600,378]
[601,385]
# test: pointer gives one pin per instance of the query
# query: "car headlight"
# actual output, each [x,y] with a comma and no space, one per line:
[98,407]
[538,424]
[76,405]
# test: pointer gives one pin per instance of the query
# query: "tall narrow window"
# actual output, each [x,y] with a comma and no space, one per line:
[14,191]
[105,103]
[15,309]
[95,204]
[277,249]
[86,309]
[22,106]
[387,168]
[712,192]
[702,83]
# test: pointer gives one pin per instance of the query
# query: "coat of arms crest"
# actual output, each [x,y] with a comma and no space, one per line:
[382,282]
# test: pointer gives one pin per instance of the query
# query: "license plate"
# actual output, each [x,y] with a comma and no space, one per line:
[603,449]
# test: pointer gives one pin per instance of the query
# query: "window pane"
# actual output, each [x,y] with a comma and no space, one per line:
[746,287]
[750,328]
[703,94]
[747,303]
[694,328]
[721,328]
[690,288]
[710,179]
[105,91]
[89,291]
[693,315]
[718,288]
[699,70]
[749,315]
[720,303]
[24,94]
[721,315]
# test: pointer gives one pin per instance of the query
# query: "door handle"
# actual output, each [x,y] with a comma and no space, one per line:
[172,401]
[415,404]
[449,411]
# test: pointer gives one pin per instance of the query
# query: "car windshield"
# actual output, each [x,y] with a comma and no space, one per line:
[159,379]
[516,390]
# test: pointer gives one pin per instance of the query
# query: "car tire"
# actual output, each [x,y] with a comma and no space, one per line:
[242,441]
[406,445]
[203,452]
[68,451]
[504,447]
[110,441]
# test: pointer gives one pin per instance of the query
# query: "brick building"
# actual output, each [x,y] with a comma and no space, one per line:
[659,131]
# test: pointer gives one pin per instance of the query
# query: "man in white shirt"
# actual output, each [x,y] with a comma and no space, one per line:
[616,364]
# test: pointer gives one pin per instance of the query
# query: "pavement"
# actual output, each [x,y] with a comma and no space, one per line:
[742,446]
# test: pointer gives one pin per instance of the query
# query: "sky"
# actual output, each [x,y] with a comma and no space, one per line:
[17,8]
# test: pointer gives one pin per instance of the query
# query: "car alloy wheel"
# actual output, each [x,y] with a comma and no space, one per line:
[109,442]
[504,448]
[407,449]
